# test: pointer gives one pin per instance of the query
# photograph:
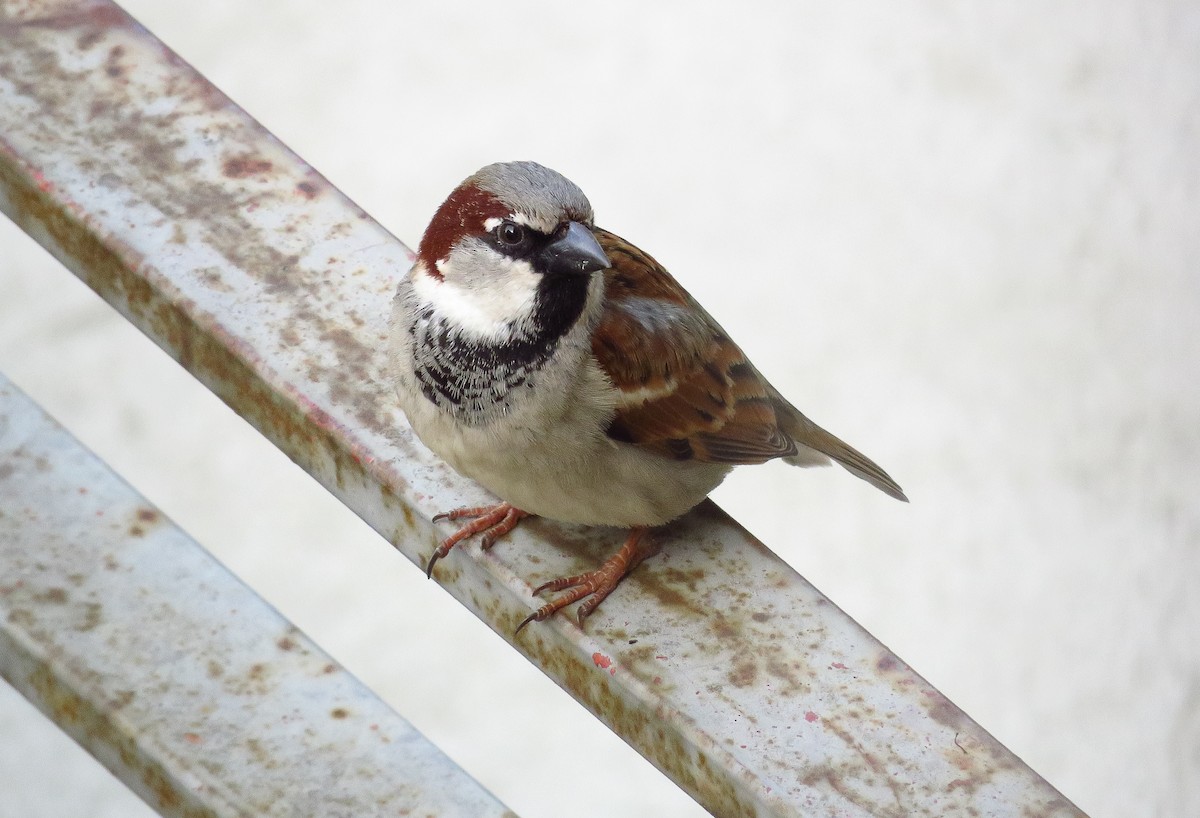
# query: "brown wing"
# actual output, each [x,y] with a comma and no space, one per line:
[687,391]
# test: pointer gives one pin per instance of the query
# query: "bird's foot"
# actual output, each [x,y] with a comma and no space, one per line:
[597,584]
[494,521]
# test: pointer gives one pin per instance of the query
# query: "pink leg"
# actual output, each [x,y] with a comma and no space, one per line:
[595,584]
[494,521]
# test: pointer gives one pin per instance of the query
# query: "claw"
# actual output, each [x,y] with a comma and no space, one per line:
[596,585]
[494,521]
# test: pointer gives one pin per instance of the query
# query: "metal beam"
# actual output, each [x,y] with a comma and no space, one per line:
[715,660]
[182,681]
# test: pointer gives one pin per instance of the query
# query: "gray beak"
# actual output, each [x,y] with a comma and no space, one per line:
[575,251]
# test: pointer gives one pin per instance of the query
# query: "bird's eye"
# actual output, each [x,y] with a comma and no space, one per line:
[510,233]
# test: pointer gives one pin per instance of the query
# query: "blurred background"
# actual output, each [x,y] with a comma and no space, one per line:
[964,238]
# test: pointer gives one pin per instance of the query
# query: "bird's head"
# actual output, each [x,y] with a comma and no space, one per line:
[511,243]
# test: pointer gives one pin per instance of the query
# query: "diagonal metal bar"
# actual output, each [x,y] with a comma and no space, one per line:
[716,661]
[180,679]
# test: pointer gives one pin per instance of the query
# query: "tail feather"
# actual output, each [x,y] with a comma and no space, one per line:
[813,439]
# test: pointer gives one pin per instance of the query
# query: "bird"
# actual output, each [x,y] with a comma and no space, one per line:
[568,373]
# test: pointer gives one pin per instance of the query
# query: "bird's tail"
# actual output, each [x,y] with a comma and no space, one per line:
[813,442]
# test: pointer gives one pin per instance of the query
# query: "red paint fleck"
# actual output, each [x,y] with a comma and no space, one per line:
[192,738]
[811,716]
[658,680]
[840,666]
[44,184]
[660,657]
[601,660]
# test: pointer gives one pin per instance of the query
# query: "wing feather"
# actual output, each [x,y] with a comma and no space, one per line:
[686,391]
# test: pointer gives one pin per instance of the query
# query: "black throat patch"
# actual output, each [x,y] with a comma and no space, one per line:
[479,381]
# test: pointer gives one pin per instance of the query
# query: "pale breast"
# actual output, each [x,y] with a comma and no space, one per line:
[530,426]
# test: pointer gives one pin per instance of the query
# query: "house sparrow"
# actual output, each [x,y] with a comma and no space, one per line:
[567,372]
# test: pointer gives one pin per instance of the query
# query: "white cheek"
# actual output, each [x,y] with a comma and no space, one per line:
[484,305]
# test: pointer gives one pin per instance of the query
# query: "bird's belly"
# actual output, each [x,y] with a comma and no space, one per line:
[596,482]
[567,469]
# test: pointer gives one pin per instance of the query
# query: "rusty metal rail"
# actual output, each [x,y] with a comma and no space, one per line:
[717,662]
[179,678]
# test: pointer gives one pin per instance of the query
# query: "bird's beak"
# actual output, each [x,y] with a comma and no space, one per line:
[574,251]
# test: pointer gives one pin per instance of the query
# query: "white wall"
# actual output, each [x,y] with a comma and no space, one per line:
[965,239]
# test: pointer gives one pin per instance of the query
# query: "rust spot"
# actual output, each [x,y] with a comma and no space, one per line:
[7,470]
[214,669]
[259,752]
[887,662]
[307,189]
[744,674]
[87,40]
[212,278]
[339,712]
[91,617]
[167,797]
[54,596]
[289,336]
[942,711]
[688,579]
[329,669]
[240,167]
[724,629]
[99,17]
[286,643]
[112,66]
